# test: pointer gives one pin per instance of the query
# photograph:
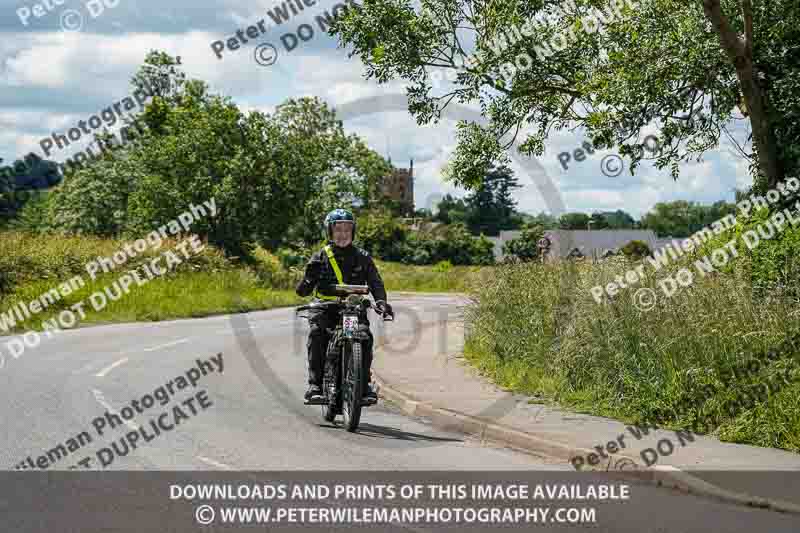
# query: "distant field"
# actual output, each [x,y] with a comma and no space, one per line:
[399,277]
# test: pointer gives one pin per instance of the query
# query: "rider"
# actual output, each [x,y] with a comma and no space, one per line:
[339,262]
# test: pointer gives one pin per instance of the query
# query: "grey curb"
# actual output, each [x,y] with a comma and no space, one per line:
[662,476]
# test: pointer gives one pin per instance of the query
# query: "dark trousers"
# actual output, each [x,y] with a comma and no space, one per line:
[318,339]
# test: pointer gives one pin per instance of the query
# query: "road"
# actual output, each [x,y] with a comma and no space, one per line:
[256,420]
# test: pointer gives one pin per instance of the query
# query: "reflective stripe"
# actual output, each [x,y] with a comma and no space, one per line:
[334,264]
[336,271]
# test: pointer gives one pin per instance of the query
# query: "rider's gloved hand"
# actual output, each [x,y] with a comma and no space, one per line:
[384,308]
[326,289]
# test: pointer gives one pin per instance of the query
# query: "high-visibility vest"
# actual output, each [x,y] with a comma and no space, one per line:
[336,270]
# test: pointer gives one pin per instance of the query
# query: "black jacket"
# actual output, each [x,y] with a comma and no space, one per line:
[357,268]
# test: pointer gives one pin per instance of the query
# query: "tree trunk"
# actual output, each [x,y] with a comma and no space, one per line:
[756,99]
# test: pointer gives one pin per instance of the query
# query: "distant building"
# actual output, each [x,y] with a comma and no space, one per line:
[590,243]
[662,242]
[399,186]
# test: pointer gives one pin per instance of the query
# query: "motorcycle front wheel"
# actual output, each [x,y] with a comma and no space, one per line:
[352,385]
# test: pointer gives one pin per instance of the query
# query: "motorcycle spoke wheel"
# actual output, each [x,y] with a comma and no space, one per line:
[352,388]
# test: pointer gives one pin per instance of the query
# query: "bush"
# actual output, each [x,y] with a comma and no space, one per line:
[293,258]
[525,247]
[773,264]
[271,270]
[636,249]
[33,215]
[443,267]
[385,238]
[381,235]
[457,245]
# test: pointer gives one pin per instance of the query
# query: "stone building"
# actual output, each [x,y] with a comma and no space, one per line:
[399,186]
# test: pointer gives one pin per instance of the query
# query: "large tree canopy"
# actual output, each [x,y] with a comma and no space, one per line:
[692,69]
[681,218]
[273,176]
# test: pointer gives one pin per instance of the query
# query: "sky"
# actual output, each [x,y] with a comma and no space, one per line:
[62,63]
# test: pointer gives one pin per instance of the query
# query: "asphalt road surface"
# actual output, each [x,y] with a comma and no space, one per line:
[250,417]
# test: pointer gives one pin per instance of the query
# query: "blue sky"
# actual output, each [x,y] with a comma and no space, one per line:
[50,79]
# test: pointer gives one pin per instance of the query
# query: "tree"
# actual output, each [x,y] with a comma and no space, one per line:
[618,220]
[337,170]
[681,218]
[598,221]
[574,221]
[162,75]
[491,207]
[545,220]
[685,67]
[273,177]
[20,181]
[451,210]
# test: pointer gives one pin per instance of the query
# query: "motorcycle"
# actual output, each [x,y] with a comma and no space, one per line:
[345,376]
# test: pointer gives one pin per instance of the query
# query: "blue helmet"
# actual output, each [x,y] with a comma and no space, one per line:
[339,215]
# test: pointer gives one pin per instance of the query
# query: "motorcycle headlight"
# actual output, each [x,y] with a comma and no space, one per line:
[353,299]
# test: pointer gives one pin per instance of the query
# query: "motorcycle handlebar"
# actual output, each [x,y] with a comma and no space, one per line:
[351,289]
[386,317]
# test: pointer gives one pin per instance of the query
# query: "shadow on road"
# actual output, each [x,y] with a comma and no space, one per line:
[370,430]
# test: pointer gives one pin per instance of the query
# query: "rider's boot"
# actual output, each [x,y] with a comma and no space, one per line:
[314,394]
[370,392]
[370,395]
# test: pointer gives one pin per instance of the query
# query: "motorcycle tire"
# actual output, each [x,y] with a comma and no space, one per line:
[353,387]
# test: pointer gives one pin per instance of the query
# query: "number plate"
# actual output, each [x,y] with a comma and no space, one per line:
[350,325]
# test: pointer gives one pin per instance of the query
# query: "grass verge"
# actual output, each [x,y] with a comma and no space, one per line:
[693,361]
[179,295]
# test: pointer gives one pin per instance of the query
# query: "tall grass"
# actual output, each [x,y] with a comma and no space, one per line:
[27,258]
[537,329]
[177,295]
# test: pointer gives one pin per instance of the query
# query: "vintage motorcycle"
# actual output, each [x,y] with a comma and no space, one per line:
[345,374]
